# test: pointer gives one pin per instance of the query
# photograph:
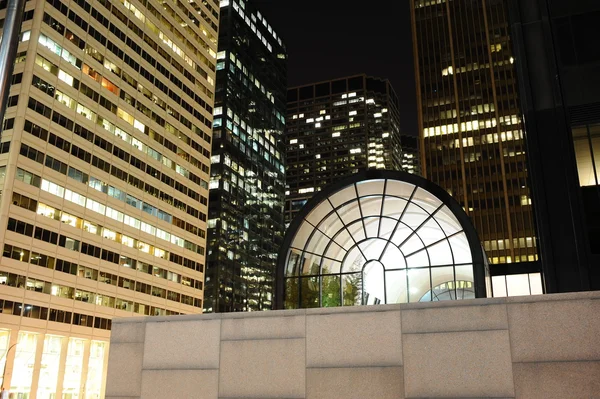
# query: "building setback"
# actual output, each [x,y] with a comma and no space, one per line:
[471,129]
[104,170]
[337,128]
[247,176]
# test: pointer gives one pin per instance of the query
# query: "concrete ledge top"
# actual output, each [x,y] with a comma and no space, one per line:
[588,295]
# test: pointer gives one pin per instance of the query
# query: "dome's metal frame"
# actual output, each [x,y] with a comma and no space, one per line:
[479,258]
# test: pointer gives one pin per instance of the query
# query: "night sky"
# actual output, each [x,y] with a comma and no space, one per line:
[327,39]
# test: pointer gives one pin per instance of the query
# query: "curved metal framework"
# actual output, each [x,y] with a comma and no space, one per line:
[379,237]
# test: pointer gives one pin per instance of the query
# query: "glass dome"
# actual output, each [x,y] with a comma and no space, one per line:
[379,237]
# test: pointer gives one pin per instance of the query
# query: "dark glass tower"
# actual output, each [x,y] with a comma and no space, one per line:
[558,65]
[245,225]
[337,128]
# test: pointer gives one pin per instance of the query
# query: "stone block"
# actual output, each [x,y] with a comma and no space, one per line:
[180,384]
[192,344]
[554,330]
[458,364]
[457,318]
[355,383]
[557,380]
[128,332]
[364,339]
[272,368]
[263,328]
[124,375]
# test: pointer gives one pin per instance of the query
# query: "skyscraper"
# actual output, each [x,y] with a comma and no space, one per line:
[104,177]
[336,128]
[411,154]
[559,85]
[247,176]
[471,128]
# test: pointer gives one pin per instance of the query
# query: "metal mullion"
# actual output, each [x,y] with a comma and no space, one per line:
[398,221]
[431,215]
[437,242]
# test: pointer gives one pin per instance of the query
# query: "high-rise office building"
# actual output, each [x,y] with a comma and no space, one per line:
[104,171]
[560,93]
[337,128]
[245,226]
[411,155]
[471,126]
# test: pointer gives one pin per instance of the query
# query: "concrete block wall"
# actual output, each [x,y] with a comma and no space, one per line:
[522,347]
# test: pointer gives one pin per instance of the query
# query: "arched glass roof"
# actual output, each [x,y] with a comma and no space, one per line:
[379,237]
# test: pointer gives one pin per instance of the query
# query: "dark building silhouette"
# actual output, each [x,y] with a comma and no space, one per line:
[558,65]
[245,225]
[337,128]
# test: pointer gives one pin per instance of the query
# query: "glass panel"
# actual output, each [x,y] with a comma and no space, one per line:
[354,261]
[396,286]
[331,291]
[352,288]
[302,235]
[392,258]
[317,243]
[442,279]
[343,239]
[386,228]
[293,262]
[372,248]
[431,232]
[583,154]
[4,342]
[349,212]
[334,251]
[418,284]
[499,286]
[518,284]
[371,206]
[310,292]
[417,259]
[595,137]
[320,212]
[370,187]
[291,293]
[448,221]
[402,232]
[440,254]
[535,282]
[23,366]
[393,207]
[373,284]
[460,248]
[399,188]
[414,216]
[372,226]
[49,367]
[357,231]
[310,264]
[73,365]
[93,385]
[464,273]
[330,266]
[426,200]
[342,196]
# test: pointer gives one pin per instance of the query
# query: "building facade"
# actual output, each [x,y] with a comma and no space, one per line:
[471,126]
[337,128]
[104,171]
[411,154]
[245,225]
[559,85]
